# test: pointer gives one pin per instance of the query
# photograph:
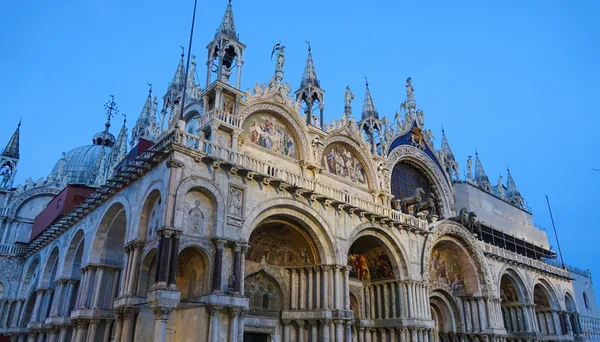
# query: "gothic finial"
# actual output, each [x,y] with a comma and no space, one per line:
[366,82]
[20,120]
[125,115]
[443,129]
[182,51]
[308,42]
[150,86]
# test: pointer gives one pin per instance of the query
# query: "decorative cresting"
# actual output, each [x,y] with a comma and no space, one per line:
[360,154]
[294,125]
[444,191]
[452,229]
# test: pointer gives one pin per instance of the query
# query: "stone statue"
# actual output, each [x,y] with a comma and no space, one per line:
[280,59]
[470,169]
[420,118]
[415,199]
[5,172]
[409,90]
[348,99]
[29,183]
[399,125]
[225,73]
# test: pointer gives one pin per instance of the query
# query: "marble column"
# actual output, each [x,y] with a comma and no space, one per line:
[366,302]
[238,277]
[309,281]
[98,288]
[135,263]
[161,316]
[62,334]
[82,326]
[286,330]
[294,288]
[394,312]
[348,331]
[300,332]
[384,306]
[4,318]
[65,308]
[314,330]
[118,325]
[128,320]
[346,274]
[93,326]
[302,288]
[233,325]
[107,331]
[318,303]
[326,326]
[214,323]
[60,289]
[39,294]
[241,323]
[325,281]
[339,330]
[218,271]
[361,334]
[336,287]
[172,276]
[125,274]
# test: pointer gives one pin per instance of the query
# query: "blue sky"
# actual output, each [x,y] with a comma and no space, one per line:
[518,80]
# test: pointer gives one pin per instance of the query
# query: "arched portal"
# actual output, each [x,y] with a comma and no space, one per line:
[547,318]
[281,242]
[192,279]
[369,260]
[513,304]
[445,315]
[451,267]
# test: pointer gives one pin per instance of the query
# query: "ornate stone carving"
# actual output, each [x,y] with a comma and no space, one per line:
[175,163]
[162,312]
[236,201]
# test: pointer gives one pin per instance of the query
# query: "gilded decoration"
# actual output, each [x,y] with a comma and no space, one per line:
[280,244]
[340,161]
[508,293]
[268,132]
[369,261]
[296,127]
[445,268]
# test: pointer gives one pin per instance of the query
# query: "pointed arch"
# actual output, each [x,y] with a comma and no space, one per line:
[303,215]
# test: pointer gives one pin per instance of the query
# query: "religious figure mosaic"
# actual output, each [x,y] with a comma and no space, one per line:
[340,161]
[270,133]
[445,268]
[508,294]
[280,245]
[368,261]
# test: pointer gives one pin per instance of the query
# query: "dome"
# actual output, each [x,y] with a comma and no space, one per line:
[81,164]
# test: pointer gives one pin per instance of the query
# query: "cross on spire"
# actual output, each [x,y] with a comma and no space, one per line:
[111,110]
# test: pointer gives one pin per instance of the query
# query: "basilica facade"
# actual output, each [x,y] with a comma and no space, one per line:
[232,215]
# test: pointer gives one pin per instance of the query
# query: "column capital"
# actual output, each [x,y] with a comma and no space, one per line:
[129,312]
[215,310]
[300,322]
[236,311]
[286,321]
[95,321]
[219,243]
[162,312]
[311,322]
[40,290]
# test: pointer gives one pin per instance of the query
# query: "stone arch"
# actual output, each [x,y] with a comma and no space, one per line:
[208,188]
[28,195]
[74,255]
[431,171]
[570,304]
[301,213]
[147,273]
[265,294]
[152,211]
[445,312]
[30,277]
[293,123]
[354,147]
[3,290]
[392,246]
[107,246]
[50,270]
[193,272]
[449,230]
[545,288]
[516,280]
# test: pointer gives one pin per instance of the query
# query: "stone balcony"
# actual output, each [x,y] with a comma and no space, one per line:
[521,260]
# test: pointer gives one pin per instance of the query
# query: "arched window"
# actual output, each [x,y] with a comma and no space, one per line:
[586,301]
[406,179]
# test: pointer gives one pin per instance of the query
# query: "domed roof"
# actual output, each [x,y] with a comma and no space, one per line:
[81,164]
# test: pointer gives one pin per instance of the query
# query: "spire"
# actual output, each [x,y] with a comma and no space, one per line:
[500,188]
[227,23]
[368,106]
[179,77]
[446,146]
[512,192]
[12,148]
[310,75]
[481,177]
[146,122]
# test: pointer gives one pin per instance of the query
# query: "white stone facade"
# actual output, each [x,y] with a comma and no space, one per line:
[248,221]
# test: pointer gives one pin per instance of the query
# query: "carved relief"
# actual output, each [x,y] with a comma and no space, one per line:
[236,201]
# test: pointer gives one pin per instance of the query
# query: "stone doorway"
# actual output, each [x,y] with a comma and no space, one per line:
[256,337]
